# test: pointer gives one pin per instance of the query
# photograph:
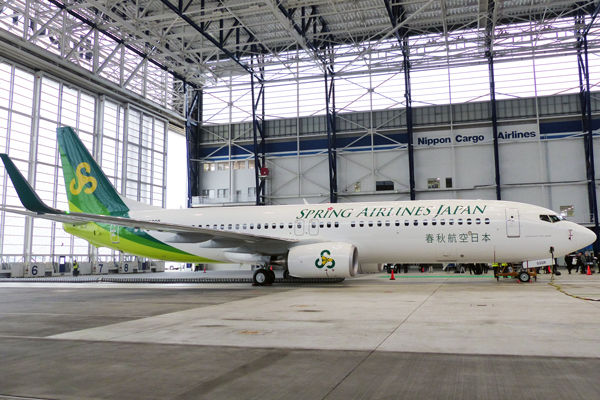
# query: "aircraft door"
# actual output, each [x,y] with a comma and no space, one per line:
[513,228]
[114,234]
[299,227]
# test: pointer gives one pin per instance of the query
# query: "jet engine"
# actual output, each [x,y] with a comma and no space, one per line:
[323,260]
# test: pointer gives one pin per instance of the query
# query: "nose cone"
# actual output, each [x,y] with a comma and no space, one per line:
[584,236]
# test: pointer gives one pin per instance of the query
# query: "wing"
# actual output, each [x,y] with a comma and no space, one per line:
[240,242]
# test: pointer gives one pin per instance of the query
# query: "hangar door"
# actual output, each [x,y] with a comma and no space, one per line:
[513,228]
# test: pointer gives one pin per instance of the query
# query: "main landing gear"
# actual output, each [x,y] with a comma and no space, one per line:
[263,277]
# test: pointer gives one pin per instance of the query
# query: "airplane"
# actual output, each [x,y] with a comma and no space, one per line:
[305,241]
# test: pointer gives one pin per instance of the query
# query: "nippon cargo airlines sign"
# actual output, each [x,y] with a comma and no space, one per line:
[513,133]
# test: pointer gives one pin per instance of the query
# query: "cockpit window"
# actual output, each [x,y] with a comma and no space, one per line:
[550,218]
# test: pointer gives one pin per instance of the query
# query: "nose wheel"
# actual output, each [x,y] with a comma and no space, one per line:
[263,277]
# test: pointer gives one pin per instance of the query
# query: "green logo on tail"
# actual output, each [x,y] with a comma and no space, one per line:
[83,180]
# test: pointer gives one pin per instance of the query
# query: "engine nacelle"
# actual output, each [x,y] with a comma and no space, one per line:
[323,260]
[370,268]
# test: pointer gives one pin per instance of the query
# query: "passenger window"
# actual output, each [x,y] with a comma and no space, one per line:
[298,225]
[251,226]
[313,224]
[468,221]
[244,226]
[370,224]
[433,222]
[352,224]
[237,226]
[281,226]
[478,221]
[487,221]
[397,223]
[361,223]
[416,222]
[257,226]
[336,224]
[215,226]
[451,221]
[290,225]
[378,223]
[406,222]
[329,224]
[424,222]
[442,222]
[267,226]
[321,225]
[274,225]
[459,221]
[229,226]
[387,223]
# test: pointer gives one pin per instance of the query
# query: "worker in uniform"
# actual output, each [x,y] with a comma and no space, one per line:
[75,268]
[496,268]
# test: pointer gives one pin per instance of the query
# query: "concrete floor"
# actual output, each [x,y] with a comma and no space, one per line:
[420,336]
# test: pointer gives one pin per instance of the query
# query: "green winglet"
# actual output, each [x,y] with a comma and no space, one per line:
[27,195]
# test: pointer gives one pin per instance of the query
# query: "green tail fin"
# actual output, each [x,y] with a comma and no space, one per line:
[88,189]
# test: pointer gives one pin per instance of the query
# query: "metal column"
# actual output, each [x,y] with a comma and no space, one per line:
[258,125]
[586,115]
[489,53]
[193,117]
[329,77]
[396,13]
[409,119]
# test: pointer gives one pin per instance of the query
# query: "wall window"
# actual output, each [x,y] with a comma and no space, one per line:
[383,185]
[567,211]
[65,105]
[433,183]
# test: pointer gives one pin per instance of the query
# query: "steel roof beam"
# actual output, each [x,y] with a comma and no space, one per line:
[286,18]
[118,40]
[180,13]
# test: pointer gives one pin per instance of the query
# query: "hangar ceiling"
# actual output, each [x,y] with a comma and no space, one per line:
[200,41]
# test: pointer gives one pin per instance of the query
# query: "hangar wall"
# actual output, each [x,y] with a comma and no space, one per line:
[541,156]
[130,145]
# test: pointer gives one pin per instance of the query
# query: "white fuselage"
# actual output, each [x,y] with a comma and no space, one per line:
[422,231]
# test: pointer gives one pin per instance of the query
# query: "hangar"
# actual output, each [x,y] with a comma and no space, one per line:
[284,101]
[214,103]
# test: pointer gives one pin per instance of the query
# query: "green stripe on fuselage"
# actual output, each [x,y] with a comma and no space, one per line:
[131,241]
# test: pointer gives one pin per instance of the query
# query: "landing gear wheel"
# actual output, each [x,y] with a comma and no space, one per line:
[261,277]
[524,276]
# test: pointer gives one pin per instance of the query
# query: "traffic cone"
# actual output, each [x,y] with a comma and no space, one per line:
[589,271]
[392,276]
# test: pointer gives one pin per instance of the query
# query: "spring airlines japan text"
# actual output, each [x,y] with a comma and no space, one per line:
[375,212]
